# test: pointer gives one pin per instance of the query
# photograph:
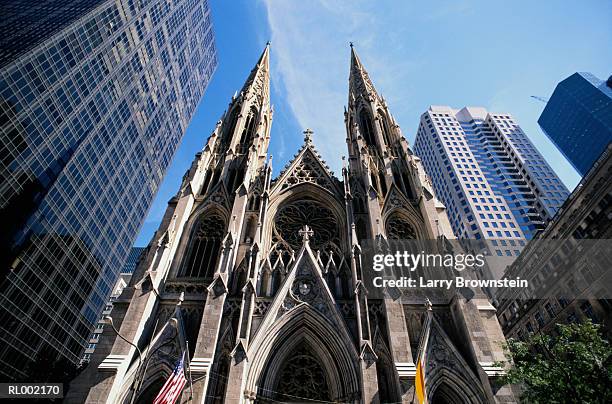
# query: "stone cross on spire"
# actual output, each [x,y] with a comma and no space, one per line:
[306,233]
[308,135]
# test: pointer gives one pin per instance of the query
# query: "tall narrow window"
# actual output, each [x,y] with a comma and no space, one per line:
[384,127]
[382,183]
[228,131]
[365,126]
[205,248]
[248,133]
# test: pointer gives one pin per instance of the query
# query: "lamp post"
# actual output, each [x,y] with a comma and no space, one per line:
[109,320]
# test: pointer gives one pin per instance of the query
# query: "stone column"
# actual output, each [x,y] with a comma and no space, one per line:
[399,345]
[207,338]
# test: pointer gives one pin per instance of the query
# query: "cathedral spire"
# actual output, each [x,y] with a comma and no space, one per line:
[359,80]
[258,81]
[242,139]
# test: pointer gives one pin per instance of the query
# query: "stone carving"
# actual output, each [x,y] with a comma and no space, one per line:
[308,170]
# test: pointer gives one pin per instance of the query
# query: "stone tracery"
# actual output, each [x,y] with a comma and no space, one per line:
[302,376]
[398,228]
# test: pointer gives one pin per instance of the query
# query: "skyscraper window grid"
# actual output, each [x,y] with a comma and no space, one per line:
[487,173]
[90,120]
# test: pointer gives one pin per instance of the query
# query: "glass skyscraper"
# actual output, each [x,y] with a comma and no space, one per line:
[493,181]
[95,97]
[578,119]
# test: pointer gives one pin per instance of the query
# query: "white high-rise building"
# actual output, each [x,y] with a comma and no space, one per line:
[493,181]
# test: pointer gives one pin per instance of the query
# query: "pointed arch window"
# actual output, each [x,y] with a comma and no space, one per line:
[248,133]
[230,128]
[254,202]
[205,248]
[240,278]
[382,183]
[398,228]
[384,126]
[366,128]
[250,229]
[236,175]
[263,282]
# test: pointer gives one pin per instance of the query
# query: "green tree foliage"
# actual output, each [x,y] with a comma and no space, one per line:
[575,366]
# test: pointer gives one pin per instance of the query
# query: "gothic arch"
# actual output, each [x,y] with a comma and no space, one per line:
[228,131]
[239,278]
[249,130]
[299,372]
[303,325]
[447,387]
[286,216]
[205,247]
[148,394]
[189,232]
[236,174]
[303,192]
[400,224]
[366,126]
[383,120]
[385,370]
[160,357]
[154,380]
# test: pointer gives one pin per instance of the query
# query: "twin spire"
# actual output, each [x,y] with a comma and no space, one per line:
[258,83]
[359,80]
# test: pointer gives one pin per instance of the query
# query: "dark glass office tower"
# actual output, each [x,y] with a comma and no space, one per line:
[578,119]
[95,97]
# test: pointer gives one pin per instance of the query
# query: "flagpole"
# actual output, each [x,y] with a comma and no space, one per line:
[189,370]
[142,372]
[419,380]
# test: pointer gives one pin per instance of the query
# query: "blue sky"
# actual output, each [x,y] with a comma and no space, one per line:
[492,54]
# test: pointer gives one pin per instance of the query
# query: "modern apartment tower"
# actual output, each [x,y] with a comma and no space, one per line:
[578,119]
[95,97]
[493,181]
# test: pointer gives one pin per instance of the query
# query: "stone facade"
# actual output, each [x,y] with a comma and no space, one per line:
[572,271]
[260,279]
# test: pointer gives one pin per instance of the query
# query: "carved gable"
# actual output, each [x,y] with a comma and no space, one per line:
[304,285]
[307,167]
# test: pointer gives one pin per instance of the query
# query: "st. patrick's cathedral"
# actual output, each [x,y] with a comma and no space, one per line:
[259,280]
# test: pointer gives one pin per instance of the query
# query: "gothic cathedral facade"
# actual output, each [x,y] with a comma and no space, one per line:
[260,280]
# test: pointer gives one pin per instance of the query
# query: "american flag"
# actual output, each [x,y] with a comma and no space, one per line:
[174,385]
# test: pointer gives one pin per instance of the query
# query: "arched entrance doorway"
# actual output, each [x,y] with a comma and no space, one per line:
[301,377]
[444,394]
[303,358]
